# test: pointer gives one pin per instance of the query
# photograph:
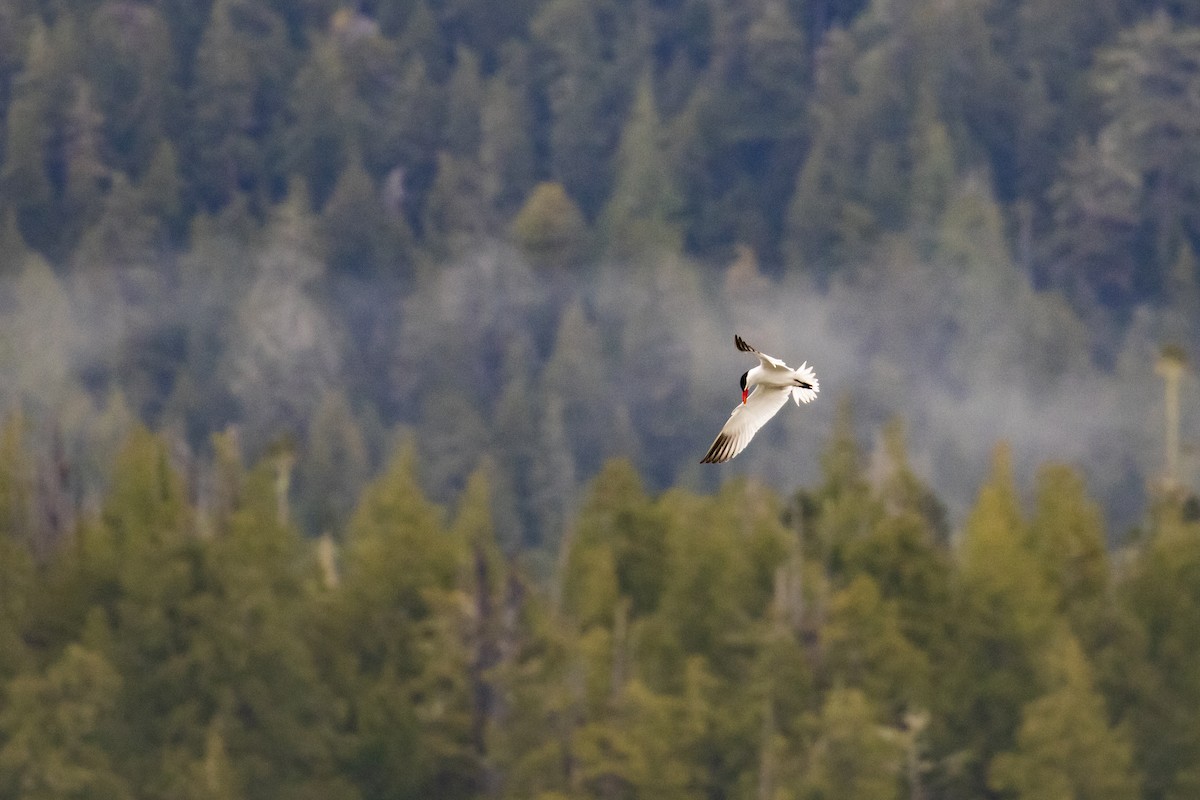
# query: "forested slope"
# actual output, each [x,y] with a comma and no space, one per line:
[531,230]
[355,361]
[740,644]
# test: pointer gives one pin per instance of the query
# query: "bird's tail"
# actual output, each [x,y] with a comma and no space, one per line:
[807,385]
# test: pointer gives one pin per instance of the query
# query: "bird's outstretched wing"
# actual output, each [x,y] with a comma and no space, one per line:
[745,421]
[763,357]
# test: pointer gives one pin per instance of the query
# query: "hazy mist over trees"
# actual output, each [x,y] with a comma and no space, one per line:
[356,360]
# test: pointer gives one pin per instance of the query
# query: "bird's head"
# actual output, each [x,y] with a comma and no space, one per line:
[745,389]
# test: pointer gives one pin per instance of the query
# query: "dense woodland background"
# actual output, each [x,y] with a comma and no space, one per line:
[355,361]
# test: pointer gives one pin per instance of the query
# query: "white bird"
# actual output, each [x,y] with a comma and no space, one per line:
[772,382]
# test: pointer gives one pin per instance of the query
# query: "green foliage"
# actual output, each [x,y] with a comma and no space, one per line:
[17,526]
[54,728]
[1066,533]
[550,227]
[1141,81]
[700,647]
[27,134]
[808,134]
[1161,594]
[363,239]
[1003,619]
[1065,747]
[618,550]
[335,466]
[311,223]
[853,755]
[640,214]
[865,648]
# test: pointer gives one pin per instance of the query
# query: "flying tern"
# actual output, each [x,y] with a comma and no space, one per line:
[765,390]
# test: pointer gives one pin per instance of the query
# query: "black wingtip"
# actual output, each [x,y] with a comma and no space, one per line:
[740,343]
[720,452]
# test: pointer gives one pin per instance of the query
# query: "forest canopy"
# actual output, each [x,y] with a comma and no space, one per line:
[356,358]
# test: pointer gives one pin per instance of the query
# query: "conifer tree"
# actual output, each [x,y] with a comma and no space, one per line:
[506,150]
[161,187]
[17,576]
[131,63]
[1004,619]
[27,133]
[639,216]
[864,647]
[54,729]
[1067,535]
[579,51]
[326,117]
[288,354]
[464,97]
[399,662]
[1147,82]
[845,509]
[334,467]
[933,170]
[362,239]
[1156,678]
[617,532]
[549,227]
[455,216]
[242,67]
[597,427]
[852,755]
[1065,746]
[85,172]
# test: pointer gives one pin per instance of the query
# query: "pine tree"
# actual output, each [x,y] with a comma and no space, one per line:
[362,239]
[549,227]
[597,427]
[17,533]
[256,681]
[455,216]
[617,532]
[1066,533]
[579,51]
[1065,746]
[242,67]
[55,727]
[492,635]
[852,755]
[1148,87]
[85,173]
[1156,679]
[864,647]
[131,63]
[1095,211]
[1003,619]
[641,748]
[723,553]
[400,660]
[288,355]
[27,133]
[639,216]
[507,158]
[845,509]
[334,467]
[934,169]
[209,635]
[464,100]
[326,118]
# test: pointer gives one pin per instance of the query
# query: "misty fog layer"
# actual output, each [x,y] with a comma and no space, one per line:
[549,373]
